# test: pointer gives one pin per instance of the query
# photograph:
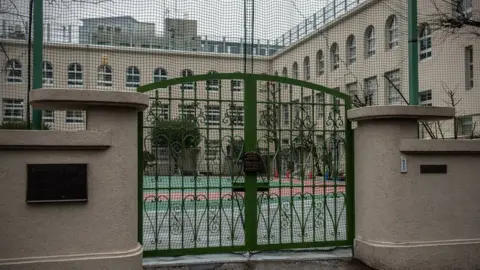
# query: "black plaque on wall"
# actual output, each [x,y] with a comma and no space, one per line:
[433,168]
[48,183]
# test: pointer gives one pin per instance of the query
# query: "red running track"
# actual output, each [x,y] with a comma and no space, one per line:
[215,195]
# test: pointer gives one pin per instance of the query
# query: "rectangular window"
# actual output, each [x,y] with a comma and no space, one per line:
[187,111]
[392,85]
[236,85]
[370,95]
[469,67]
[74,117]
[352,89]
[320,101]
[212,149]
[12,110]
[162,111]
[213,114]
[236,115]
[426,98]
[286,114]
[48,116]
[463,9]
[307,108]
[465,126]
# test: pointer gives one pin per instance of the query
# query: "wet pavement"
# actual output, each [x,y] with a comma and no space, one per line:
[334,259]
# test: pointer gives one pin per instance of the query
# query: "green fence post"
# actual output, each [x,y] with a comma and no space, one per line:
[412,52]
[350,179]
[37,57]
[140,176]
[250,135]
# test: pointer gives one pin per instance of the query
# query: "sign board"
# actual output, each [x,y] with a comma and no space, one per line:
[253,162]
[403,164]
[56,183]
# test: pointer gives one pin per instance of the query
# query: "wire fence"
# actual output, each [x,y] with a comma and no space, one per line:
[357,47]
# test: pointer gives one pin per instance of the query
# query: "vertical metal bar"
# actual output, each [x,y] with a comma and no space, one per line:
[156,178]
[170,160]
[412,52]
[140,175]
[37,57]
[350,177]
[250,135]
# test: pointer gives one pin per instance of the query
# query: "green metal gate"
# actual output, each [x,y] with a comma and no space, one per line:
[244,162]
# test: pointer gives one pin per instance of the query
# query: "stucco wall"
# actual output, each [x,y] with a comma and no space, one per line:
[98,234]
[405,219]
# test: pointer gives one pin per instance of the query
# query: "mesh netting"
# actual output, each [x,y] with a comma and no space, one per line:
[356,47]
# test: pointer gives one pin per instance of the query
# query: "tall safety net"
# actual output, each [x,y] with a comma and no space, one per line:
[278,79]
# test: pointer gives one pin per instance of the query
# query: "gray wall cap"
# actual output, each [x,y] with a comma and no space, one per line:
[401,112]
[68,99]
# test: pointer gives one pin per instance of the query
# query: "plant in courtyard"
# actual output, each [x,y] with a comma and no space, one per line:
[234,156]
[175,134]
[147,158]
[178,136]
[235,150]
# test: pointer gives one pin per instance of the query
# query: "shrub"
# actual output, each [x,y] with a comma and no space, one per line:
[235,149]
[147,157]
[175,134]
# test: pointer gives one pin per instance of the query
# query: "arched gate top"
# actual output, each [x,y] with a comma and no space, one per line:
[243,76]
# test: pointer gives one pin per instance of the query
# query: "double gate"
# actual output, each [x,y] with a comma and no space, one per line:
[244,162]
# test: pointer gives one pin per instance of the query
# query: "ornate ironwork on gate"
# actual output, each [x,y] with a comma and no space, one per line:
[244,162]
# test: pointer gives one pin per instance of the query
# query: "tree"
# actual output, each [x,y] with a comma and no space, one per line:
[455,17]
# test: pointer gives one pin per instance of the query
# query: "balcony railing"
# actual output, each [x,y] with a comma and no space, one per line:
[330,12]
[71,34]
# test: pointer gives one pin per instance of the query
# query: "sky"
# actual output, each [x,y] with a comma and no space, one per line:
[219,18]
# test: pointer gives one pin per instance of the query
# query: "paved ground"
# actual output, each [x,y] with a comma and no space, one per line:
[326,265]
[335,259]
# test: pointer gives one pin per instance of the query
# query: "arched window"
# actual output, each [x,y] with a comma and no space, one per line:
[133,77]
[189,85]
[392,32]
[213,85]
[75,75]
[159,74]
[14,71]
[320,63]
[425,42]
[335,56]
[306,68]
[370,41]
[47,73]
[104,76]
[351,49]
[295,70]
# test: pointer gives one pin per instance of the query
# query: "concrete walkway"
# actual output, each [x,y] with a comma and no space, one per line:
[335,259]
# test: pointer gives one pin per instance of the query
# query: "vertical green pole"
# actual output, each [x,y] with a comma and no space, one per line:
[250,135]
[350,180]
[140,176]
[37,57]
[413,52]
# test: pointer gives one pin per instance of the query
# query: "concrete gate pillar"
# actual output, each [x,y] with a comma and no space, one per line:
[416,201]
[99,233]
